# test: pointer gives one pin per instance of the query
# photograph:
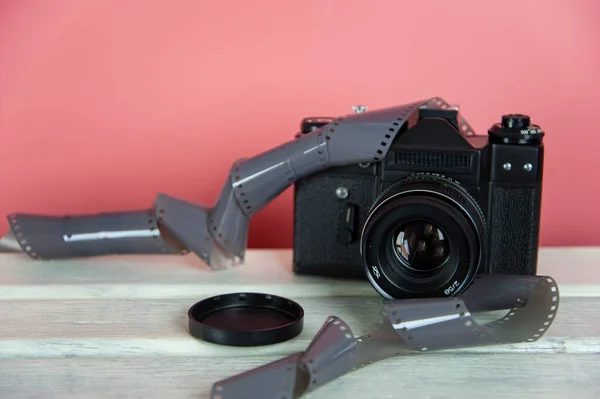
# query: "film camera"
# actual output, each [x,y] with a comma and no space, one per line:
[443,206]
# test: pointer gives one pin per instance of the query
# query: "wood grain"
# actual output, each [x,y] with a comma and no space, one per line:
[117,327]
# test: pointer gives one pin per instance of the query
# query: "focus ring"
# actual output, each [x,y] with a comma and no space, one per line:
[432,199]
[424,177]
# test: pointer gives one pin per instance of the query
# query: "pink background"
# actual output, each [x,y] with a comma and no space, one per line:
[105,103]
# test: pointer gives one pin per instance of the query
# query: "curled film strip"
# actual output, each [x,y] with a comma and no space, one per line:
[218,235]
[405,327]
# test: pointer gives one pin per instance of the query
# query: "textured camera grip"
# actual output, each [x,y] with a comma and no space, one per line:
[514,230]
[317,213]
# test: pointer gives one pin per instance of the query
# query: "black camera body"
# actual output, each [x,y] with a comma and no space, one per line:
[441,208]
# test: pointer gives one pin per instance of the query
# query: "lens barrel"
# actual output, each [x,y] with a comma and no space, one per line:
[424,237]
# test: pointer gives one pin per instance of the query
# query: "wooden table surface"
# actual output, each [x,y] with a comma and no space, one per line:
[116,327]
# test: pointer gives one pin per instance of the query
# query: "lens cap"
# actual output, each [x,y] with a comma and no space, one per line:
[246,319]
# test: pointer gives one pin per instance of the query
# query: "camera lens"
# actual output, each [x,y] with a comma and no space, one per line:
[423,237]
[421,246]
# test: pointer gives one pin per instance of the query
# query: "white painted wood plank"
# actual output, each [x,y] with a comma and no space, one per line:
[577,271]
[569,265]
[159,328]
[261,266]
[430,376]
[161,277]
[322,288]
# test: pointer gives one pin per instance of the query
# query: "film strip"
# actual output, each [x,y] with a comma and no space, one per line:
[59,237]
[463,125]
[529,305]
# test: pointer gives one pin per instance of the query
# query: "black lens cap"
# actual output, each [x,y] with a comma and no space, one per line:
[246,319]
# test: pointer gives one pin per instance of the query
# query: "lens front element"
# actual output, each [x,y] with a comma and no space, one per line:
[421,246]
